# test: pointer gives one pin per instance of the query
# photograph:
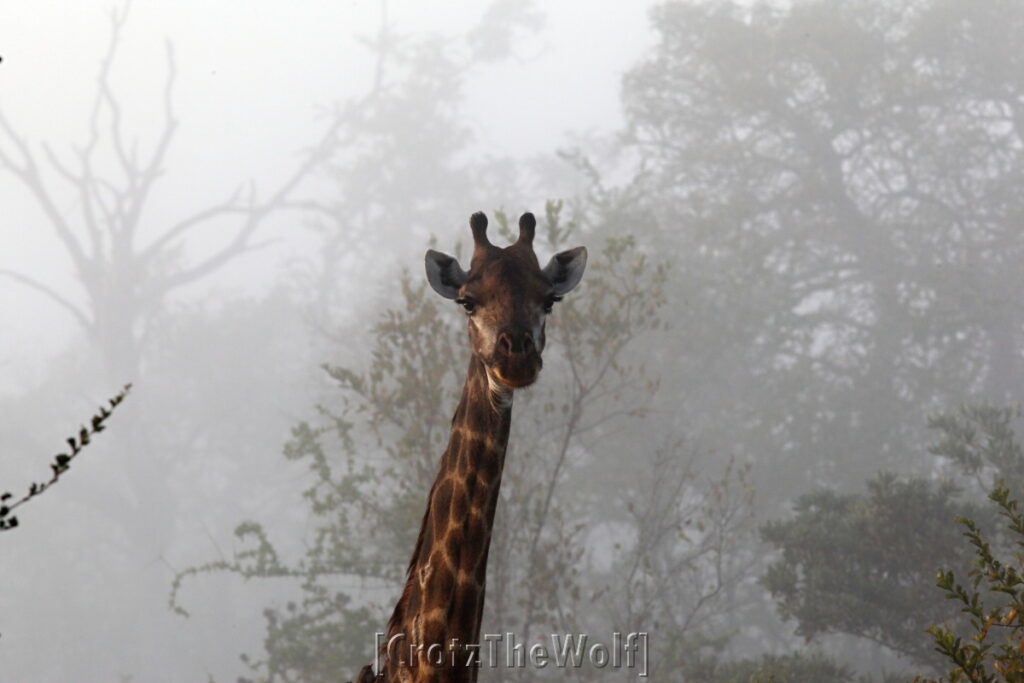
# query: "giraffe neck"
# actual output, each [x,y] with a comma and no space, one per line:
[444,590]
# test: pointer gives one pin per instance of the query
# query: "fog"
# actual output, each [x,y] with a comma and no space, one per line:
[793,360]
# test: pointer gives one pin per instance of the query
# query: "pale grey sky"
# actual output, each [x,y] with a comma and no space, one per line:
[250,77]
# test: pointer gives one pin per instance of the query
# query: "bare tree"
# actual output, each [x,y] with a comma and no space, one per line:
[129,259]
[125,276]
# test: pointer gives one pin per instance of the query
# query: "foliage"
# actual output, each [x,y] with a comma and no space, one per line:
[364,456]
[62,461]
[859,564]
[981,442]
[838,182]
[994,647]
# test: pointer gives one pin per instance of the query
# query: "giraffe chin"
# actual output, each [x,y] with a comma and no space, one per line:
[517,373]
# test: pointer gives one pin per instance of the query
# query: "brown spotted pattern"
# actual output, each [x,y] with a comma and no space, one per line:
[444,593]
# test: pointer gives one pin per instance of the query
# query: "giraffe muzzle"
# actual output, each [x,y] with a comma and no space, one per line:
[516,362]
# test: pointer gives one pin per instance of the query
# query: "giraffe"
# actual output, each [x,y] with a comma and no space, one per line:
[506,296]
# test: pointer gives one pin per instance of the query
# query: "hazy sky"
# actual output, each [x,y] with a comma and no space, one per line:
[251,78]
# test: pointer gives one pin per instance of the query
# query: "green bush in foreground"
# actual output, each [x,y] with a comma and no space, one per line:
[994,650]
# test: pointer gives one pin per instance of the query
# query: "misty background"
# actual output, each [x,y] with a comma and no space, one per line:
[795,356]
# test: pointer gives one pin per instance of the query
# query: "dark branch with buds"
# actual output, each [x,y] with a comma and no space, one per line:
[61,462]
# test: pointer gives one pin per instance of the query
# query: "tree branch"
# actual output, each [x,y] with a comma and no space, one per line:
[39,286]
[61,463]
[29,176]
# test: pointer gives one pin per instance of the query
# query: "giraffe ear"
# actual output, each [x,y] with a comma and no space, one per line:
[444,274]
[565,269]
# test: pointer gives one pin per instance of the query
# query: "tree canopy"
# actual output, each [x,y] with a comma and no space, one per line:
[840,185]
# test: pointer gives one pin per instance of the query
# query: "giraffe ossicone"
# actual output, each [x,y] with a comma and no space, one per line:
[507,297]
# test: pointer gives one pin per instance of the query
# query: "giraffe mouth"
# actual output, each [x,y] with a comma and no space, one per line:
[517,370]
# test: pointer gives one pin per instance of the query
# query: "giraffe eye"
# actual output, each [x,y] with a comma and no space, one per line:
[550,302]
[467,304]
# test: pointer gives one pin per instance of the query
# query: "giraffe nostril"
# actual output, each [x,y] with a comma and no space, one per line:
[515,343]
[505,342]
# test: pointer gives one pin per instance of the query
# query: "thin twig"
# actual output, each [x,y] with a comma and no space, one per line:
[61,461]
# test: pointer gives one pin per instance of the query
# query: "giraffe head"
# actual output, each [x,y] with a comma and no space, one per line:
[507,297]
